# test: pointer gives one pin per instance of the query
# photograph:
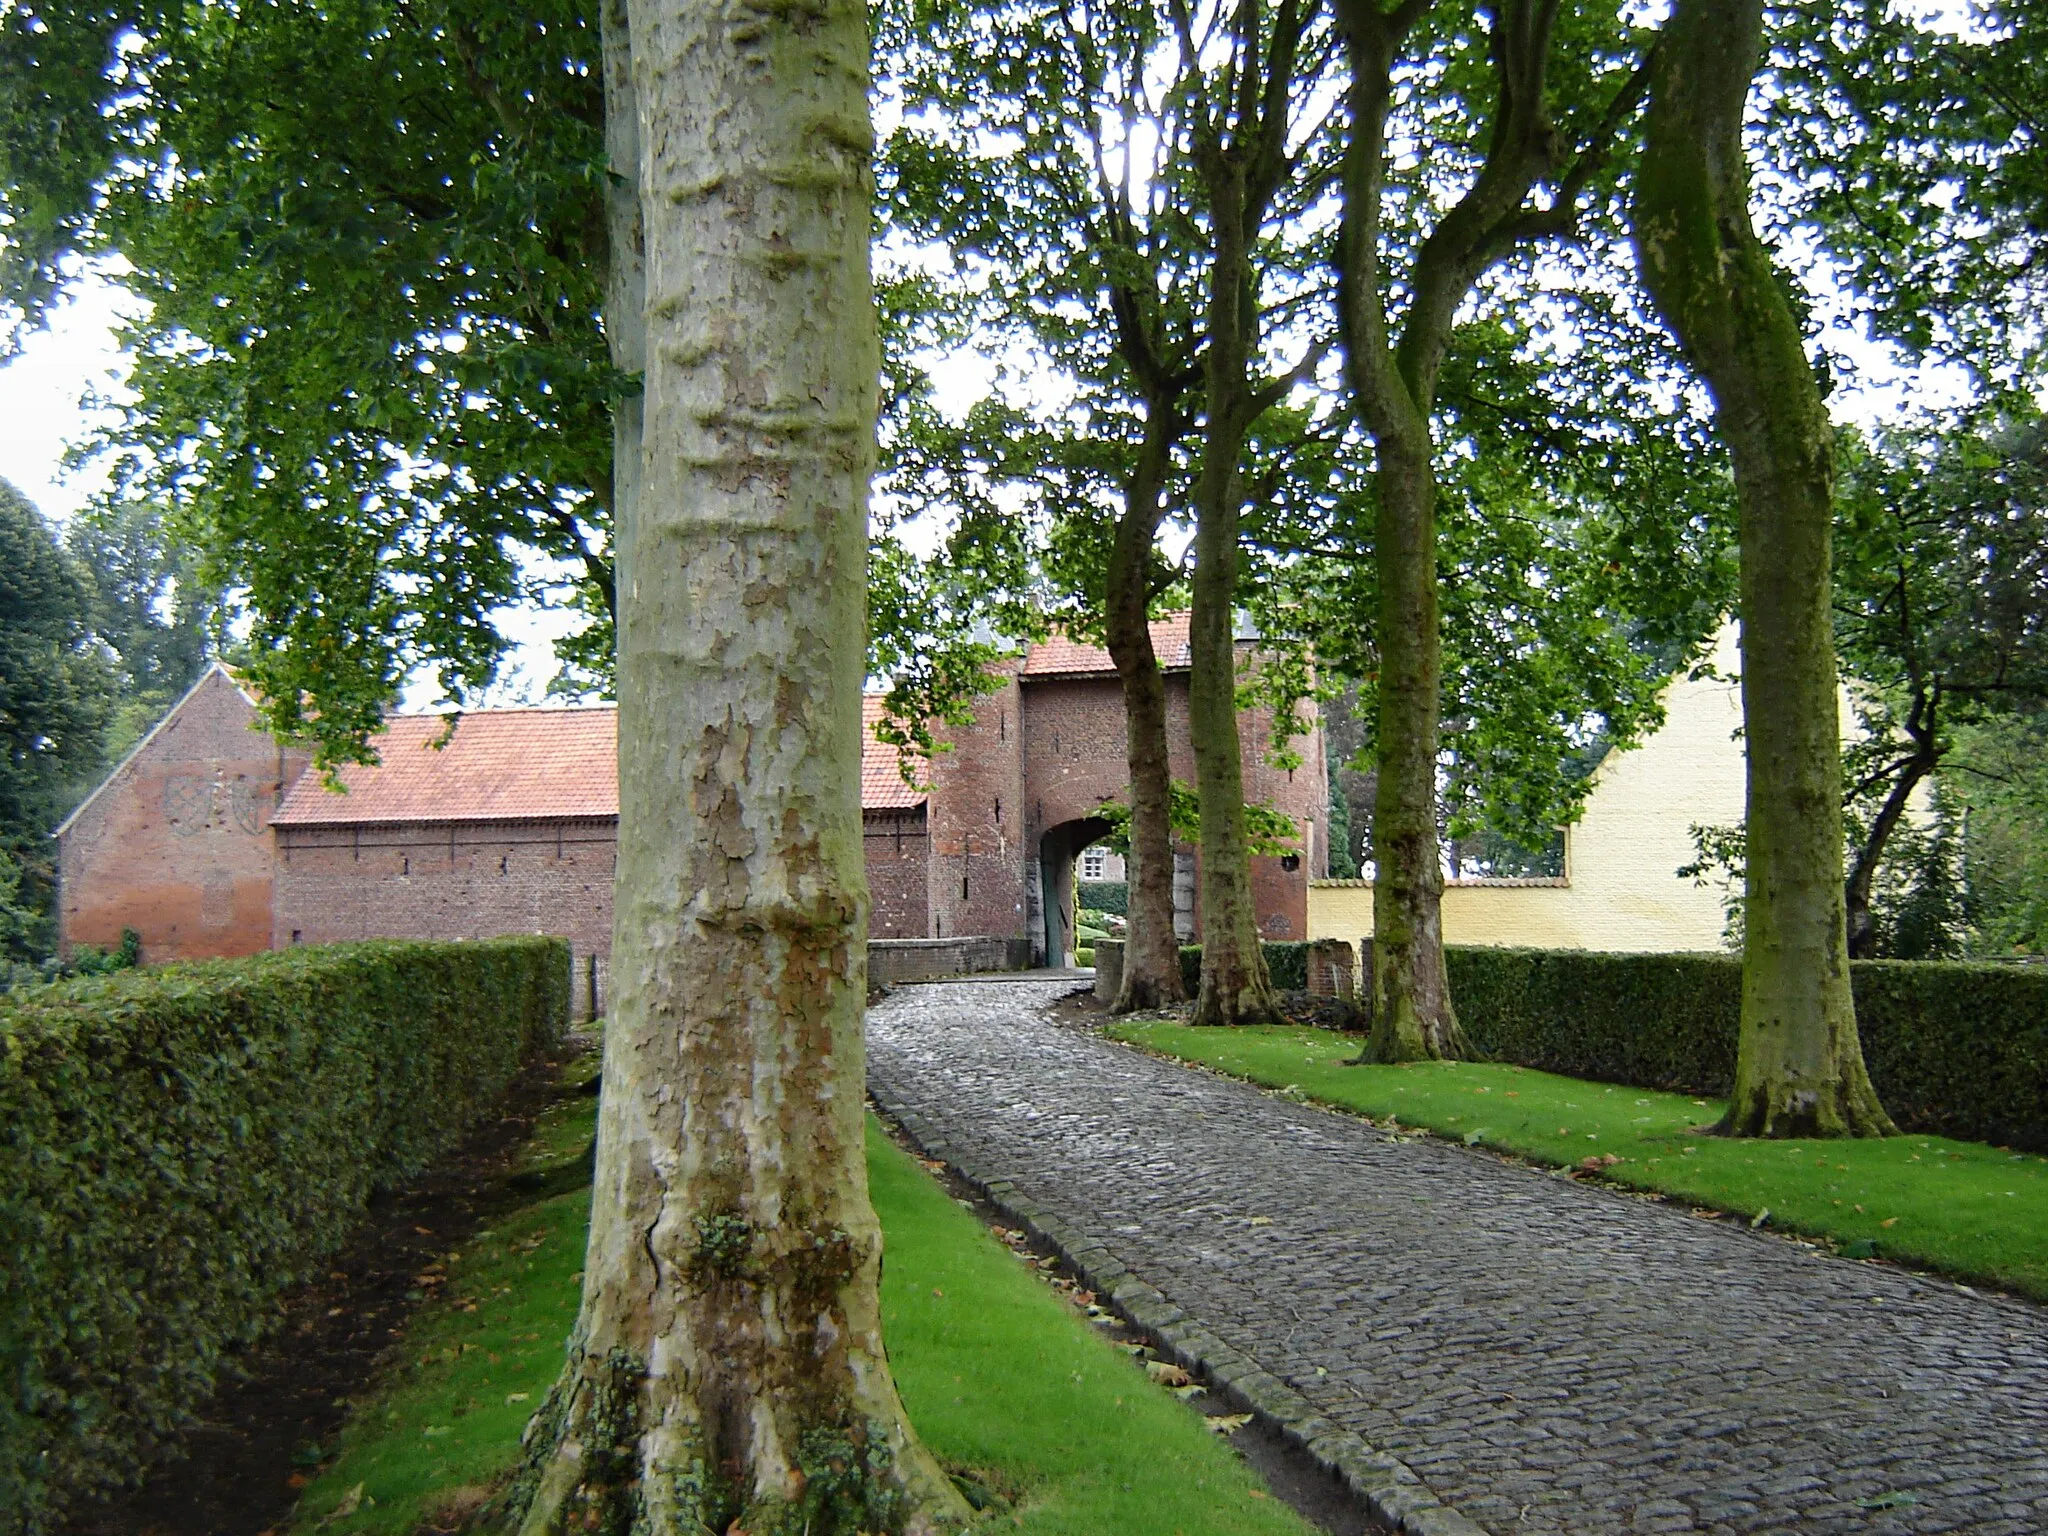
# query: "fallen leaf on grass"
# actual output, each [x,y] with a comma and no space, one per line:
[350,1503]
[1258,1493]
[1759,1218]
[1227,1423]
[517,1397]
[1166,1373]
[1889,1221]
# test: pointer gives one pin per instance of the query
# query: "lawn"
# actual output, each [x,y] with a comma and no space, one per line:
[1958,1207]
[1003,1380]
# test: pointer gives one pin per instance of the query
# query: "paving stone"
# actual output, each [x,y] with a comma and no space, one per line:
[1549,1357]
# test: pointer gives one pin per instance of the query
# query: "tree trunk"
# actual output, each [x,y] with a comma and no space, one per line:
[727,1369]
[625,300]
[1863,871]
[1799,1067]
[1151,951]
[1413,1019]
[1235,986]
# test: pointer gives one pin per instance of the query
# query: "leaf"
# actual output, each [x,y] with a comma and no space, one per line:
[350,1503]
[1759,1218]
[1227,1423]
[1166,1373]
[1889,1221]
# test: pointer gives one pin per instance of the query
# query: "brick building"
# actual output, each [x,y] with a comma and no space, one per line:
[509,824]
[176,843]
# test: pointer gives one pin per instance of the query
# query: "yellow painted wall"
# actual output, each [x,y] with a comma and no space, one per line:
[1621,890]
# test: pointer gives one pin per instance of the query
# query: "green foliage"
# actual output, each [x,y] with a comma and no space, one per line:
[1908,144]
[371,377]
[1343,859]
[1941,581]
[1269,833]
[1110,896]
[55,694]
[181,1144]
[1286,964]
[149,606]
[1999,781]
[1956,1050]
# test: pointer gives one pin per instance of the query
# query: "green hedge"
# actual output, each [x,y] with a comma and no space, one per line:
[1111,896]
[1286,963]
[179,1145]
[1958,1050]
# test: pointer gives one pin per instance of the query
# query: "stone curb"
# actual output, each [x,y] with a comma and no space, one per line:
[1387,1486]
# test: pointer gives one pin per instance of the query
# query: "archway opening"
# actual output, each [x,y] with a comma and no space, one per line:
[1052,936]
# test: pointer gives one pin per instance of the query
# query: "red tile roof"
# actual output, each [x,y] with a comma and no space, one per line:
[881,778]
[1063,657]
[500,765]
[517,765]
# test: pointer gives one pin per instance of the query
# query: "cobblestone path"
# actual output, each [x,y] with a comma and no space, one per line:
[1549,1357]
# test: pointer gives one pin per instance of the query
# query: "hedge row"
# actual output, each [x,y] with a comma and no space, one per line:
[1286,963]
[1111,896]
[1957,1050]
[179,1145]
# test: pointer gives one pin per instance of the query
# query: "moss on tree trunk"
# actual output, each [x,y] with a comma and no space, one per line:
[727,1369]
[1799,1067]
[1151,974]
[1235,988]
[1413,1019]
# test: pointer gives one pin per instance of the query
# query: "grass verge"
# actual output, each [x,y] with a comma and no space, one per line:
[1003,1380]
[1961,1208]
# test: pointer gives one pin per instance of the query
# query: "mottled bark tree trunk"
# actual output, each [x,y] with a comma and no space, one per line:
[727,1370]
[1799,1066]
[1151,974]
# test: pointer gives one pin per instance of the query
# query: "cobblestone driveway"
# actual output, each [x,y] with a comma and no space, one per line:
[1550,1358]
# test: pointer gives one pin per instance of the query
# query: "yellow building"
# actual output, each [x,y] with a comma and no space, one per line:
[1621,889]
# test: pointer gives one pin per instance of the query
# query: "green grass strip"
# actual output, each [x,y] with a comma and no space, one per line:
[1001,1378]
[1957,1207]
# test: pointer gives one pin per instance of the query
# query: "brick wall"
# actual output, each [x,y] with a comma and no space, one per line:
[977,820]
[449,880]
[176,843]
[1075,758]
[898,873]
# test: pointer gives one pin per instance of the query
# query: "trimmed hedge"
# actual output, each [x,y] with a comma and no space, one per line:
[1110,896]
[1953,1049]
[1286,963]
[179,1145]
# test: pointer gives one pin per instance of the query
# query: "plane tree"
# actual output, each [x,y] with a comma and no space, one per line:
[1799,1064]
[1046,148]
[727,1370]
[1474,140]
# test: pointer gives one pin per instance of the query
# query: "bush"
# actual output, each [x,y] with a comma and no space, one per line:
[179,1145]
[1953,1049]
[1111,897]
[1286,963]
